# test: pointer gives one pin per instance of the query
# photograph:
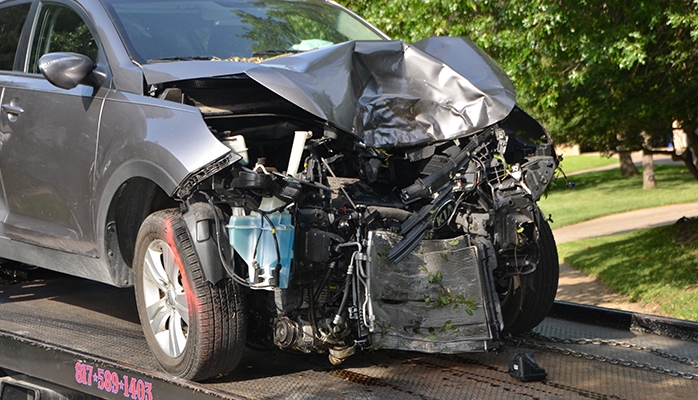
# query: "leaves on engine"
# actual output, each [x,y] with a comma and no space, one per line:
[445,297]
[435,278]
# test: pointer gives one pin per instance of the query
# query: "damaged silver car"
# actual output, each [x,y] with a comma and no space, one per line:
[275,174]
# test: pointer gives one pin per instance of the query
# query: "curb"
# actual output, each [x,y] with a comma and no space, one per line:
[625,320]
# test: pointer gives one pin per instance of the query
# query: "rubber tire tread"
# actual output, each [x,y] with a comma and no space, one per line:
[217,326]
[539,288]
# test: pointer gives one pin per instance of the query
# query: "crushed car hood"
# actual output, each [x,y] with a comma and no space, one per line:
[387,93]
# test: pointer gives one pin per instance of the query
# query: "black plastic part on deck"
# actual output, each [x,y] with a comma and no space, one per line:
[523,366]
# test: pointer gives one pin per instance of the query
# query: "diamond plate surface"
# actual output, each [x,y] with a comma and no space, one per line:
[101,321]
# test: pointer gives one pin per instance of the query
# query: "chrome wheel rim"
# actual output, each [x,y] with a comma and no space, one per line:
[165,299]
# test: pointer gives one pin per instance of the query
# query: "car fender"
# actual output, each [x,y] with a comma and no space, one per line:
[160,141]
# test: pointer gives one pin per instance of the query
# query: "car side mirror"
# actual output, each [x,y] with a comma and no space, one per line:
[68,70]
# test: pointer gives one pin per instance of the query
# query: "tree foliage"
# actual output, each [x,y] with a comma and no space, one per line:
[596,72]
[11,19]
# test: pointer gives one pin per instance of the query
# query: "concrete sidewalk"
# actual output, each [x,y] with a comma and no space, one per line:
[576,287]
[625,222]
[628,221]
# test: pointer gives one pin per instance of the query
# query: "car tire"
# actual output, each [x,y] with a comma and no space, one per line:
[195,329]
[526,303]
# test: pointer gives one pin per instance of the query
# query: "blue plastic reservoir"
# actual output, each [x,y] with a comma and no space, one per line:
[244,232]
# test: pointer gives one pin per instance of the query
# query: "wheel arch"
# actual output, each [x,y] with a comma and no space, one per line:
[135,191]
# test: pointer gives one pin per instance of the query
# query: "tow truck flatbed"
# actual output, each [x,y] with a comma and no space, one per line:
[64,332]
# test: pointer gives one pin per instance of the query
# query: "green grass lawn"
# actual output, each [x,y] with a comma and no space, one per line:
[603,193]
[583,162]
[658,265]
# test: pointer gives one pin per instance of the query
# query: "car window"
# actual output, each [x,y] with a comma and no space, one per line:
[60,29]
[155,30]
[11,22]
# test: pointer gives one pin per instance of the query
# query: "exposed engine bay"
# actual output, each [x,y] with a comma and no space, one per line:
[427,244]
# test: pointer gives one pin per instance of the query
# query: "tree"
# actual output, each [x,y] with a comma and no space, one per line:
[593,71]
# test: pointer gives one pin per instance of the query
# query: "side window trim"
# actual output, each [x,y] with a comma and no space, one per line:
[28,33]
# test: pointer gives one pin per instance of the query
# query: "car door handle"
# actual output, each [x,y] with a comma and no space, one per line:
[12,110]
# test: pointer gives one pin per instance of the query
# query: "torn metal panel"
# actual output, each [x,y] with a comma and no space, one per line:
[432,301]
[387,93]
[189,183]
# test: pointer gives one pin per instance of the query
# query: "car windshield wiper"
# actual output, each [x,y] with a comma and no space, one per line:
[182,58]
[274,52]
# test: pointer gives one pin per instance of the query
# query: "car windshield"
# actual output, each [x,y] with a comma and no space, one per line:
[238,30]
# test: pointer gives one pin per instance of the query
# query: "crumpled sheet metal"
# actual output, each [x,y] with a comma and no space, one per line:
[387,93]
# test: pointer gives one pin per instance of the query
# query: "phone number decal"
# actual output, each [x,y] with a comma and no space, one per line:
[108,381]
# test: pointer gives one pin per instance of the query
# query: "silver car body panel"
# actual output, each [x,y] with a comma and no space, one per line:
[48,205]
[387,93]
[171,136]
[47,196]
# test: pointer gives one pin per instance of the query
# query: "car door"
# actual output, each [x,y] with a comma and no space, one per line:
[49,138]
[12,19]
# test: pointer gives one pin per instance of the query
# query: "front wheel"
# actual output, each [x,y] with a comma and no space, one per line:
[527,299]
[195,329]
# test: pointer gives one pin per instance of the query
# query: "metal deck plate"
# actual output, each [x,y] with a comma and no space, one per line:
[91,321]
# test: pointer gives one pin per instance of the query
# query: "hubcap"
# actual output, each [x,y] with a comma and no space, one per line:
[165,299]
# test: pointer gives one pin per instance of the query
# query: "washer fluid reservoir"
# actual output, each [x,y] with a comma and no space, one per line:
[255,239]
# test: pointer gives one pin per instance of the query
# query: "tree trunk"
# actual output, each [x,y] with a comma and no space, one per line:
[627,168]
[648,181]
